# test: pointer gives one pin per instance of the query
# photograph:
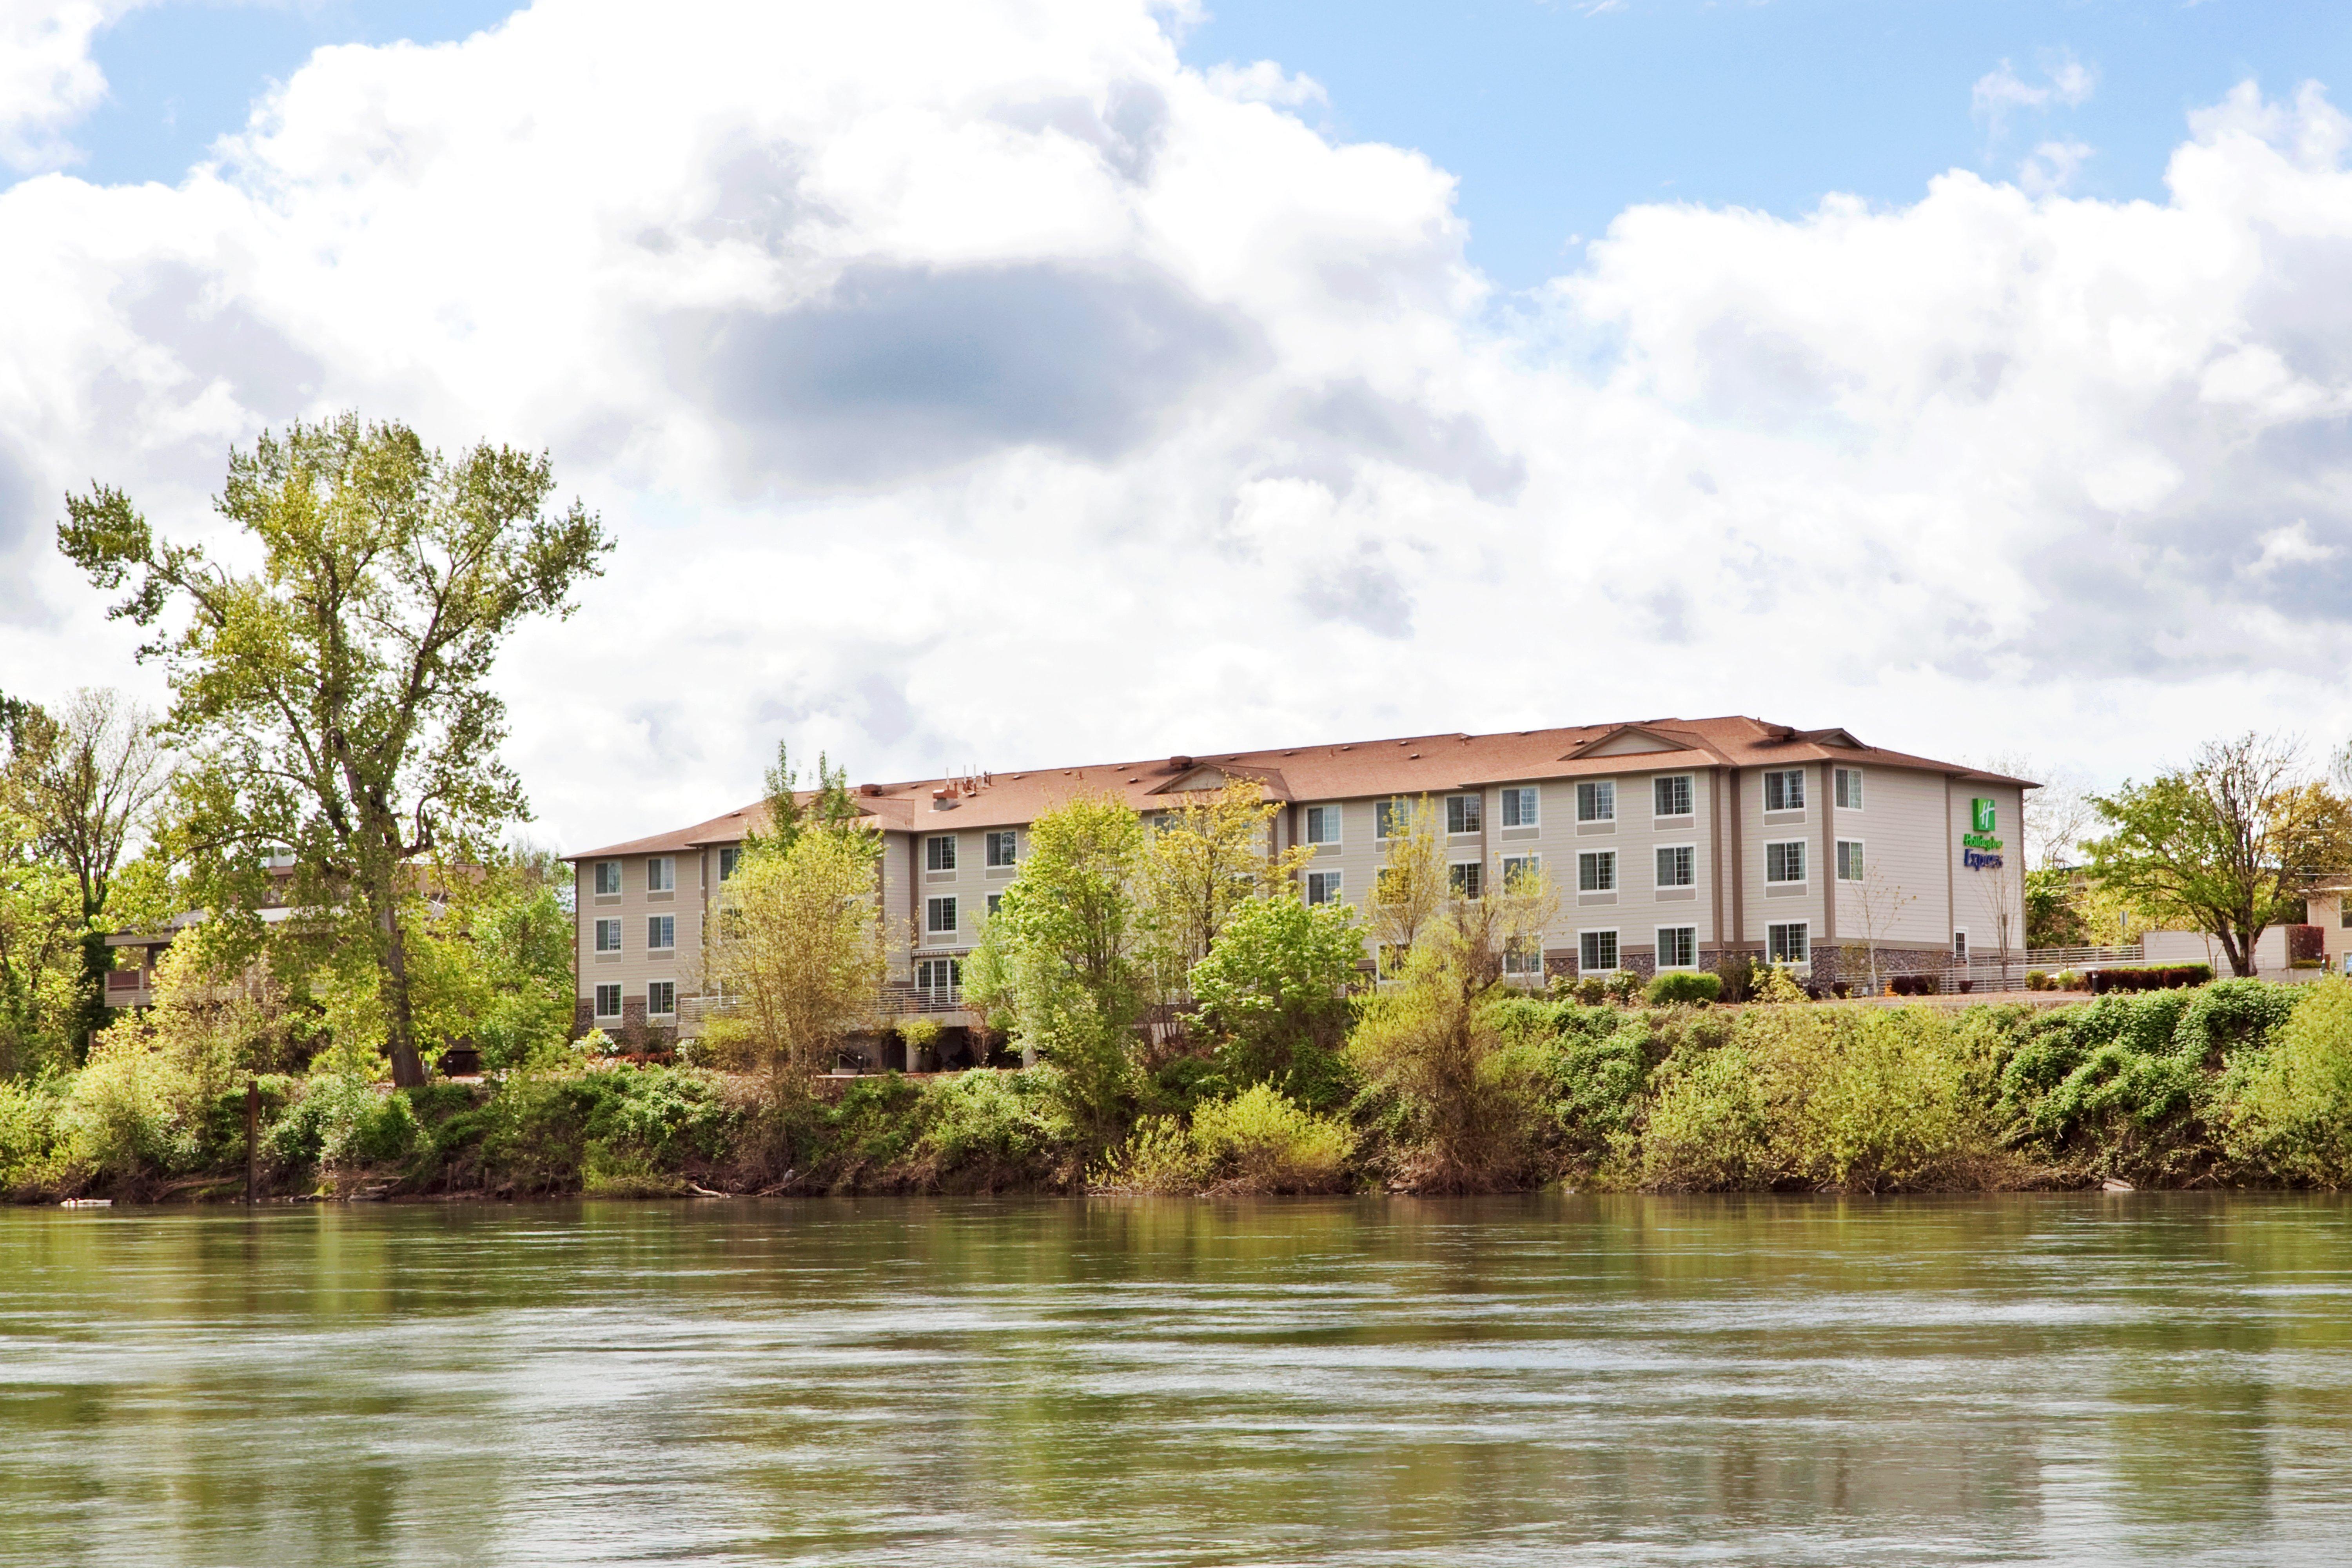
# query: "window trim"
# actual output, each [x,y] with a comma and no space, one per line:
[1531,859]
[614,921]
[597,882]
[1804,862]
[596,1003]
[932,852]
[1465,805]
[1001,841]
[1616,938]
[1596,856]
[1596,786]
[1398,809]
[1526,800]
[1839,781]
[1657,850]
[669,946]
[1331,817]
[1766,787]
[1961,948]
[668,864]
[1859,860]
[731,859]
[1805,926]
[1333,884]
[932,926]
[1660,949]
[991,903]
[1514,953]
[669,1012]
[1690,797]
[1476,870]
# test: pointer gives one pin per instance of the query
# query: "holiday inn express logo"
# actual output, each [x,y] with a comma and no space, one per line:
[1978,842]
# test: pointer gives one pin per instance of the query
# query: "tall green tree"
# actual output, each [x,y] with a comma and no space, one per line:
[1064,959]
[335,700]
[88,778]
[2227,843]
[830,805]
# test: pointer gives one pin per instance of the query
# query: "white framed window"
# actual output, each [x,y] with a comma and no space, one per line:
[1323,886]
[608,1001]
[1961,946]
[1677,865]
[940,916]
[1520,868]
[1391,818]
[1523,955]
[1596,952]
[1596,872]
[727,859]
[608,936]
[1322,825]
[1784,789]
[1846,791]
[1849,865]
[1462,879]
[661,998]
[995,901]
[1678,947]
[1465,814]
[1673,795]
[1784,860]
[661,874]
[939,974]
[1003,847]
[938,852]
[1788,941]
[608,878]
[661,932]
[1520,809]
[1596,800]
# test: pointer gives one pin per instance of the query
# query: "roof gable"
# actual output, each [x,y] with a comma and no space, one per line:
[1628,740]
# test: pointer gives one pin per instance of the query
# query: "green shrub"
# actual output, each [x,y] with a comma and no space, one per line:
[1873,1099]
[1262,1141]
[2288,1110]
[2126,1084]
[986,1130]
[1258,1140]
[1683,985]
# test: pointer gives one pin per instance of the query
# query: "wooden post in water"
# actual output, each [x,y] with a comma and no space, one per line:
[252,1141]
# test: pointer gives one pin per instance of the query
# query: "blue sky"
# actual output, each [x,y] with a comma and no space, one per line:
[1555,117]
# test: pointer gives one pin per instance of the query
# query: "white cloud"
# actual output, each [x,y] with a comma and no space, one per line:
[2064,81]
[2051,168]
[997,390]
[47,79]
[1263,81]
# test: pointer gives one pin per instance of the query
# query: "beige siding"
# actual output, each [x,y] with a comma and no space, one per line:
[1901,827]
[636,965]
[1978,895]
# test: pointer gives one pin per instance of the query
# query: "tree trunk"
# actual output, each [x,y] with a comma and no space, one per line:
[399,1016]
[97,959]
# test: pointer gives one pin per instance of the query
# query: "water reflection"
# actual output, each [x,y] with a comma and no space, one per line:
[2051,1378]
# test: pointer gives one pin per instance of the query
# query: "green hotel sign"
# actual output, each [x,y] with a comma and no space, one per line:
[1979,841]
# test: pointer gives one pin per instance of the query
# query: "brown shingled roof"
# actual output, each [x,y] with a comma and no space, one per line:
[1411,765]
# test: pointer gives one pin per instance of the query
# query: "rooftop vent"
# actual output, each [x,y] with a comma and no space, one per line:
[943,800]
[1177,764]
[870,789]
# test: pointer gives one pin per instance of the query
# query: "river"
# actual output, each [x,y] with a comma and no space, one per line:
[2045,1378]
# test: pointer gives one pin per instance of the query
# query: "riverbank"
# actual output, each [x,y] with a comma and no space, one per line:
[2239,1083]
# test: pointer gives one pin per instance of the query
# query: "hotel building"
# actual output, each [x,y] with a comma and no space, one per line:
[1672,843]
